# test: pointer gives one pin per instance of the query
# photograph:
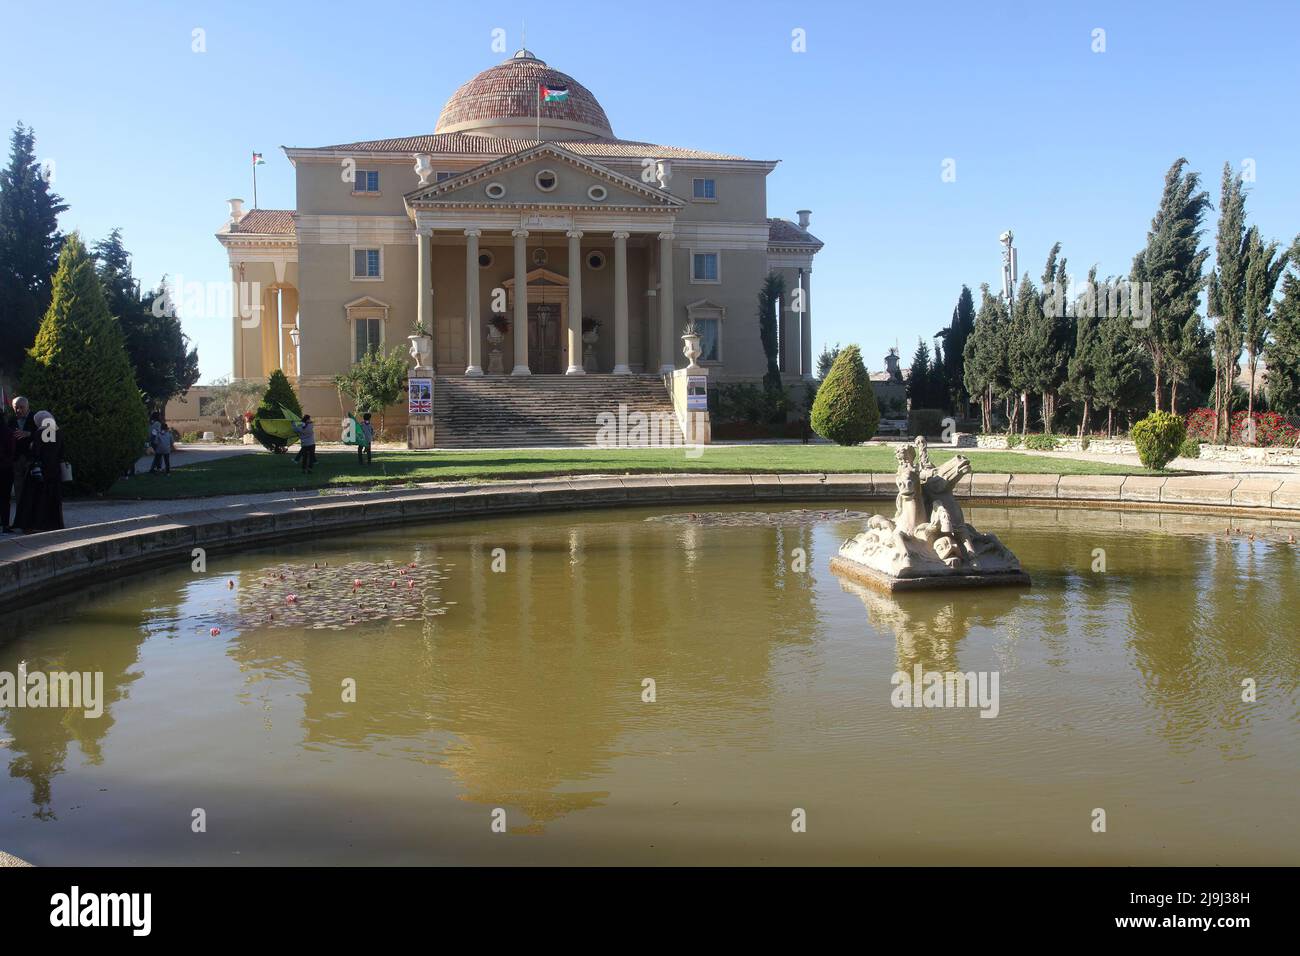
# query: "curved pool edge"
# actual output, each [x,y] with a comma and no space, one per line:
[36,565]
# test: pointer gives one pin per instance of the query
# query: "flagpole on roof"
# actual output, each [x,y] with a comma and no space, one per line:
[255,180]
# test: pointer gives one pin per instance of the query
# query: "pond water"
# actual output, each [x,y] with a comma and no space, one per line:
[506,671]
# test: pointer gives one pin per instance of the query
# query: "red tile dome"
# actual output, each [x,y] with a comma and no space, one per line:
[504,101]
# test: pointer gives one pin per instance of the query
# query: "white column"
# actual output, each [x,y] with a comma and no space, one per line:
[575,304]
[521,303]
[472,338]
[424,281]
[666,303]
[620,304]
[805,325]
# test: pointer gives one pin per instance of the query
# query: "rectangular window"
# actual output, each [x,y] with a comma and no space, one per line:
[367,181]
[703,189]
[704,267]
[369,336]
[710,339]
[444,174]
[365,264]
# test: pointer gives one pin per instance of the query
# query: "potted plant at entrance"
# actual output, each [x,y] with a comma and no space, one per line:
[691,344]
[590,336]
[421,345]
[498,326]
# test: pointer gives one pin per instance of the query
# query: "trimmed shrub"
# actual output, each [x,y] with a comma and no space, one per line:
[925,421]
[1042,442]
[1159,437]
[279,394]
[79,371]
[1084,442]
[1013,440]
[845,410]
[1191,448]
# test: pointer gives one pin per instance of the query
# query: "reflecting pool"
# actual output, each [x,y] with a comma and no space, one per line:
[375,698]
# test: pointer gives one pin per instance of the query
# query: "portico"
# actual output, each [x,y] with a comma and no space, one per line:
[575,254]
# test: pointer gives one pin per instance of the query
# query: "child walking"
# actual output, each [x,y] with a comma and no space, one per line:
[364,440]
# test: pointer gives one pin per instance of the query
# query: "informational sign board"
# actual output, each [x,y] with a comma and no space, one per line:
[697,393]
[419,396]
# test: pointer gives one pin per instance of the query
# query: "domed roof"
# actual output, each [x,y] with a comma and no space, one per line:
[504,101]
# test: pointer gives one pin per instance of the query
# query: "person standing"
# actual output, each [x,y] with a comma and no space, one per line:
[364,440]
[41,506]
[163,448]
[22,433]
[307,436]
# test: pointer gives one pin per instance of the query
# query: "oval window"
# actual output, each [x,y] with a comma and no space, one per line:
[545,180]
[495,190]
[595,260]
[598,193]
[485,259]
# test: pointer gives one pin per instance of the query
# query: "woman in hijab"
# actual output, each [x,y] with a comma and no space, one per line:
[41,506]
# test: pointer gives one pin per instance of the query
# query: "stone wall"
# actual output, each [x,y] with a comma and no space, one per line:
[1122,446]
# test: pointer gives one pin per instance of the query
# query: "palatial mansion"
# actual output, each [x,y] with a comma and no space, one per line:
[535,246]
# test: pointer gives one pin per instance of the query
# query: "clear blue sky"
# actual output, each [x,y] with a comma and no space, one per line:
[1049,138]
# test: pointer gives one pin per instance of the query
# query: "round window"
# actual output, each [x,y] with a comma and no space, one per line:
[495,190]
[545,180]
[485,259]
[595,260]
[539,257]
[598,193]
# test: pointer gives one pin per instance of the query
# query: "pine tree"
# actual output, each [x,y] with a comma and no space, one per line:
[1034,354]
[1171,263]
[1117,367]
[1227,294]
[29,247]
[164,363]
[826,360]
[1283,350]
[1082,366]
[79,371]
[918,380]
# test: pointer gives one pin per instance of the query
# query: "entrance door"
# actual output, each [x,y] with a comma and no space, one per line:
[545,338]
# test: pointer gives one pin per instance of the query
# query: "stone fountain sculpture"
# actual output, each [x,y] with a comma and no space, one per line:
[928,543]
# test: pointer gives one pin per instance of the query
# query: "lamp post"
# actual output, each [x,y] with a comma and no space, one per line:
[295,336]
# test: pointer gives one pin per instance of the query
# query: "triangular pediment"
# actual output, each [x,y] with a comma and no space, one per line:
[540,277]
[512,182]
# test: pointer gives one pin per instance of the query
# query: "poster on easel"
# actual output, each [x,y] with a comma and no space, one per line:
[419,396]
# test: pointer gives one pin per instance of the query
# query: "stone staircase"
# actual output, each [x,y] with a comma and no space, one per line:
[504,411]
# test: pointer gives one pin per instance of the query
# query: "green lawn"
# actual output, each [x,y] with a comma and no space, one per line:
[255,473]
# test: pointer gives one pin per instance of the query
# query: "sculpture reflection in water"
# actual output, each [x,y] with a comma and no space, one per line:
[928,543]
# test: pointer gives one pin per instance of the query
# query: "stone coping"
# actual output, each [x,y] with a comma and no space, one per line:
[60,560]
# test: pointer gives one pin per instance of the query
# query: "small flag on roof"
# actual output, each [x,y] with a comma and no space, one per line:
[554,94]
[258,160]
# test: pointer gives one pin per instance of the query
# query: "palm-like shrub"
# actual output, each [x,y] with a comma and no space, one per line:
[845,410]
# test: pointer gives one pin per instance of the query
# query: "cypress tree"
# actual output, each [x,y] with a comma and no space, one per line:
[1227,293]
[954,339]
[845,409]
[1264,267]
[79,371]
[1171,263]
[29,247]
[769,300]
[1283,349]
[984,358]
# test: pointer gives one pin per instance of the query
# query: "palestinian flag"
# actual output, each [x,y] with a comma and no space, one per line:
[258,160]
[554,94]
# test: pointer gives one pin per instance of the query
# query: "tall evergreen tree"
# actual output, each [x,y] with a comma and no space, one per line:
[79,371]
[984,358]
[29,247]
[165,364]
[954,339]
[1171,263]
[1227,294]
[939,392]
[1117,367]
[769,301]
[1034,355]
[1081,368]
[1264,267]
[1283,349]
[918,380]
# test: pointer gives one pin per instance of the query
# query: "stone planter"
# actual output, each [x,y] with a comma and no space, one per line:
[589,340]
[691,348]
[422,350]
[495,337]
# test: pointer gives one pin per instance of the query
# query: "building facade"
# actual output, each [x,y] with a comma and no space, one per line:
[526,238]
